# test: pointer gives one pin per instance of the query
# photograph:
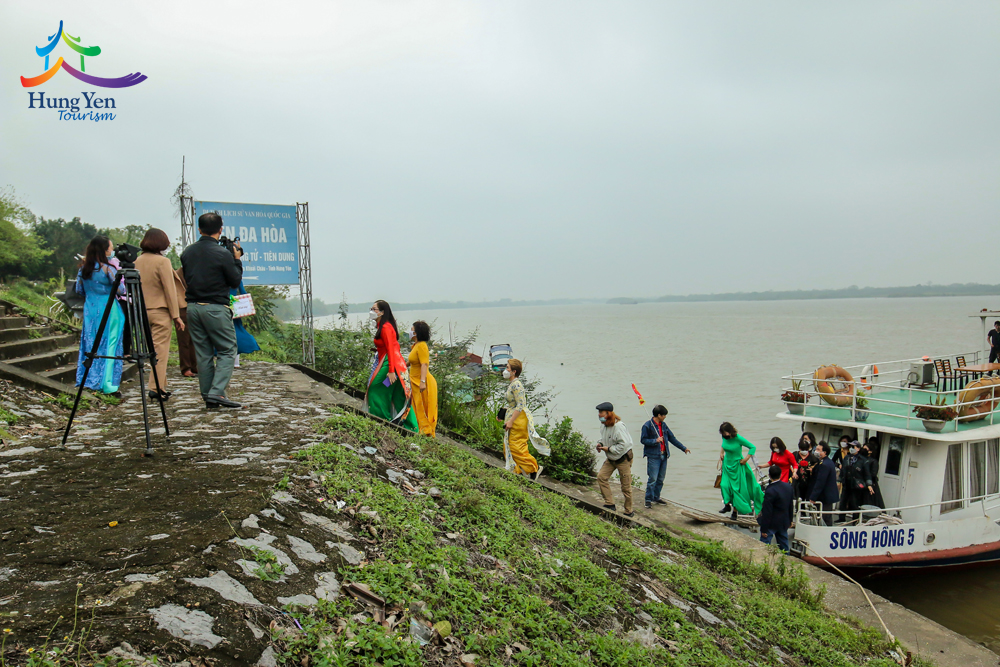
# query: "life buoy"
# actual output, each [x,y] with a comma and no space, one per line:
[822,382]
[982,396]
[866,372]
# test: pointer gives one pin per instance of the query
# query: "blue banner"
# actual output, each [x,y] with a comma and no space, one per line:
[268,235]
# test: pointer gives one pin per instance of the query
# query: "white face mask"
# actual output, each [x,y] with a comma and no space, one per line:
[506,374]
[373,314]
[853,450]
[413,334]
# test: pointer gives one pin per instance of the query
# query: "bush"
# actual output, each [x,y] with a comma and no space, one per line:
[573,457]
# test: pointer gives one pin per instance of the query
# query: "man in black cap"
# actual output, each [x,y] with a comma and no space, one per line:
[616,443]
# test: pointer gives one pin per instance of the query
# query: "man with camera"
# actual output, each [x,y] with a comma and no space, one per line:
[211,268]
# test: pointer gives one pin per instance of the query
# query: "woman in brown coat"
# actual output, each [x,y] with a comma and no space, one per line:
[160,295]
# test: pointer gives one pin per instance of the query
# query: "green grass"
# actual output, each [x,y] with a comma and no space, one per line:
[268,567]
[528,569]
[8,417]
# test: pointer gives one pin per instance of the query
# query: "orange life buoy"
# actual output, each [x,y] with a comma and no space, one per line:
[871,371]
[842,397]
[982,396]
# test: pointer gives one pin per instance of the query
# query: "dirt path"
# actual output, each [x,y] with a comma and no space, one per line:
[173,514]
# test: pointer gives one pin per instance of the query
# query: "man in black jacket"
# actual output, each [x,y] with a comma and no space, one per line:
[210,271]
[776,513]
[824,490]
[855,480]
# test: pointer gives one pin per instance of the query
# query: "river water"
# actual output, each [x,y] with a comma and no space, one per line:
[714,362]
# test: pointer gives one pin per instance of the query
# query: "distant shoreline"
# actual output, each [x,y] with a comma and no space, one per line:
[320,308]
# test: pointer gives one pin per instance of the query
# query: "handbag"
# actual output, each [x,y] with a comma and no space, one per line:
[718,481]
[501,414]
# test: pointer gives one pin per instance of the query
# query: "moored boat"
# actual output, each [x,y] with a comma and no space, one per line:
[939,478]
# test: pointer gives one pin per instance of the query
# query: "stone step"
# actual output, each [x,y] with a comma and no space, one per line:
[67,373]
[10,352]
[13,322]
[22,333]
[36,363]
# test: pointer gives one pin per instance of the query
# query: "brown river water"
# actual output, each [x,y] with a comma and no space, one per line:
[714,362]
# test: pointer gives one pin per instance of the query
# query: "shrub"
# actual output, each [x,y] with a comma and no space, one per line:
[573,457]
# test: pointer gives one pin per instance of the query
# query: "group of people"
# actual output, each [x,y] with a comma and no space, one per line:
[194,301]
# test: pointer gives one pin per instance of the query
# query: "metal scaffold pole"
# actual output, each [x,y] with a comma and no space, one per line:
[305,286]
[186,202]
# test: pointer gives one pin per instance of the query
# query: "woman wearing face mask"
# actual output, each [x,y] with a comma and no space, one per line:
[519,427]
[740,489]
[870,451]
[806,462]
[94,280]
[784,459]
[423,386]
[388,395]
[841,453]
[855,480]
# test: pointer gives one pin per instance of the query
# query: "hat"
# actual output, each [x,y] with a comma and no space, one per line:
[607,407]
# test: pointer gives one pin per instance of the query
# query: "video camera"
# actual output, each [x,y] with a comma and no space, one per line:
[230,244]
[127,254]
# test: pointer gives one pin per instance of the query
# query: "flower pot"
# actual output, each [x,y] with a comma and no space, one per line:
[796,408]
[934,425]
[860,415]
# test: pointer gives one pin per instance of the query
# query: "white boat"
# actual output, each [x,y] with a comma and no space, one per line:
[941,489]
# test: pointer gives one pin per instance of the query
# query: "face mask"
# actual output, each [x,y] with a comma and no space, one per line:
[413,334]
[373,315]
[853,450]
[506,374]
[603,419]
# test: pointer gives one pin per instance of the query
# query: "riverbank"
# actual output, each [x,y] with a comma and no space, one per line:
[248,525]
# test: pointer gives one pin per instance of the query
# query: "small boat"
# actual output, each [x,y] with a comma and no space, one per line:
[940,480]
[500,355]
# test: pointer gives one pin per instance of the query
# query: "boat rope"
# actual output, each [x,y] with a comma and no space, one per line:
[892,637]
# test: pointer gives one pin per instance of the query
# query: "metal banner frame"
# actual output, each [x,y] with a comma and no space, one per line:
[305,286]
[305,270]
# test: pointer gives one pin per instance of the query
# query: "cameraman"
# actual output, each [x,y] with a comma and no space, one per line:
[210,270]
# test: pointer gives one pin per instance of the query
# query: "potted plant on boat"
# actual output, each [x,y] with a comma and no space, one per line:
[861,406]
[935,414]
[795,399]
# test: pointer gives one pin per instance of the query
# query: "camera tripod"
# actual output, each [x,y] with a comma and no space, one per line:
[141,350]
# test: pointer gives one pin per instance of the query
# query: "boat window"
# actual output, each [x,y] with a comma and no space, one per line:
[977,469]
[894,458]
[993,466]
[952,480]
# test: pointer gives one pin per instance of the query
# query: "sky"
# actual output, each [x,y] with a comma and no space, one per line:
[539,150]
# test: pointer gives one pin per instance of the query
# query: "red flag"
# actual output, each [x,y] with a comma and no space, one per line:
[642,401]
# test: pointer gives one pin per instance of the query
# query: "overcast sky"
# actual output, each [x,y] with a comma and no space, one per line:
[532,150]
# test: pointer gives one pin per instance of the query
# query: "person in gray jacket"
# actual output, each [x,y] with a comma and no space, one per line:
[616,443]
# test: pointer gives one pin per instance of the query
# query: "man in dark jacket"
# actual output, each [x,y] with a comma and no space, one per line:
[210,271]
[776,513]
[855,480]
[824,486]
[654,438]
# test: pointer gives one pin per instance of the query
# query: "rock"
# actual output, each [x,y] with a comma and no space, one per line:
[227,587]
[642,636]
[271,513]
[650,594]
[191,625]
[680,604]
[643,616]
[257,632]
[250,522]
[350,554]
[327,586]
[395,476]
[708,616]
[434,492]
[19,451]
[415,474]
[305,551]
[335,529]
[263,542]
[267,658]
[158,536]
[284,497]
[302,600]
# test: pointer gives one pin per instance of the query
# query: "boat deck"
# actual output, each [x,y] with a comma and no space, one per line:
[894,409]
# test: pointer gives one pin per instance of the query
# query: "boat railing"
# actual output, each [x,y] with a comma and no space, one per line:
[811,514]
[892,376]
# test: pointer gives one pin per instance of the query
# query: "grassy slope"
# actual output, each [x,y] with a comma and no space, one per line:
[499,585]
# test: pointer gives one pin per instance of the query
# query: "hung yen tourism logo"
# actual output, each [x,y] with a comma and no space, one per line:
[93,108]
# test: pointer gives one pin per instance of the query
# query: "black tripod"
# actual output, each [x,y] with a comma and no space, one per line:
[140,337]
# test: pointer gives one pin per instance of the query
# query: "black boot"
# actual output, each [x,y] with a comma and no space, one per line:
[727,508]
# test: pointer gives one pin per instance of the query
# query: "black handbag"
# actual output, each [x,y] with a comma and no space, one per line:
[501,414]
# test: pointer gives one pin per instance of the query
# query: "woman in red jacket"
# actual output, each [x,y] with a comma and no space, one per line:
[388,394]
[784,459]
